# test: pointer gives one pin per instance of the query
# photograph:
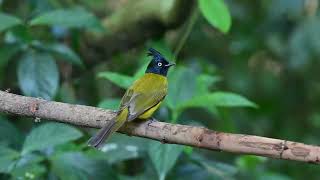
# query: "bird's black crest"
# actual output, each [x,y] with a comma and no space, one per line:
[155,54]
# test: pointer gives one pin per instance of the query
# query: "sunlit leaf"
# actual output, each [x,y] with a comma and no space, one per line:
[120,80]
[8,21]
[218,99]
[38,75]
[164,157]
[71,18]
[217,14]
[48,135]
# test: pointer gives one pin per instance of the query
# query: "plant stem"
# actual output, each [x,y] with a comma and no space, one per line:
[191,23]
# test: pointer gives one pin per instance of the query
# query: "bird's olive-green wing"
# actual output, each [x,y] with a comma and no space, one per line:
[139,102]
[143,102]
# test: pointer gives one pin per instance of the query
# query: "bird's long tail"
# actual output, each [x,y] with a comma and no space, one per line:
[105,132]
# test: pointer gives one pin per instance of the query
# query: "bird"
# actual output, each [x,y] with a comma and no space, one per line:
[141,99]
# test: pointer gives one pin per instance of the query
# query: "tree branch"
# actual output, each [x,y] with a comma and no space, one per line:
[160,131]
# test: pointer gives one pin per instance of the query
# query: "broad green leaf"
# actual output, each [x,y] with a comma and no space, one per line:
[62,51]
[48,135]
[71,18]
[8,21]
[29,171]
[28,167]
[8,132]
[218,99]
[110,104]
[163,157]
[38,75]
[7,159]
[181,86]
[121,147]
[120,80]
[78,166]
[204,82]
[248,162]
[216,13]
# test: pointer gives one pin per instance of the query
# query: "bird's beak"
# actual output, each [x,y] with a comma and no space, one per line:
[170,64]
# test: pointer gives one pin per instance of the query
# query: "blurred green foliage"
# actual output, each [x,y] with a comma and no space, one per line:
[270,56]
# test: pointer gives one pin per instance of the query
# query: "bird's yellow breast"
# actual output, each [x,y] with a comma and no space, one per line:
[149,112]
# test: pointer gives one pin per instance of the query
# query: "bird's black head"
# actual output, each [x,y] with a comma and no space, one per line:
[158,65]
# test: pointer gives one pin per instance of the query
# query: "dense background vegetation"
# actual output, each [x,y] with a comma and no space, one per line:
[89,52]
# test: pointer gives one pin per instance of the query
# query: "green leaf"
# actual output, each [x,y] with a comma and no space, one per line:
[29,171]
[181,86]
[204,82]
[78,166]
[273,176]
[8,21]
[38,75]
[61,51]
[70,18]
[109,104]
[216,13]
[121,147]
[249,162]
[215,169]
[8,132]
[49,134]
[163,157]
[7,158]
[120,80]
[218,99]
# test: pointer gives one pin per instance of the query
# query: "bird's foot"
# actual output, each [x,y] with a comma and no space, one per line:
[151,120]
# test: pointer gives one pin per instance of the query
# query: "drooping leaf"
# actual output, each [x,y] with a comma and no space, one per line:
[62,51]
[76,165]
[7,158]
[164,157]
[109,104]
[218,99]
[120,80]
[8,21]
[71,18]
[216,13]
[38,75]
[48,135]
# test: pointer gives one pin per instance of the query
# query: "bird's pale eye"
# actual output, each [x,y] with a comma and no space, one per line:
[159,64]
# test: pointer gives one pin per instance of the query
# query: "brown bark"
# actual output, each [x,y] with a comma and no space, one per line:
[165,132]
